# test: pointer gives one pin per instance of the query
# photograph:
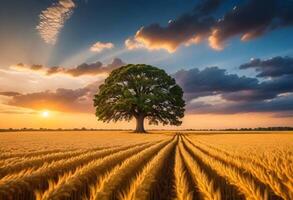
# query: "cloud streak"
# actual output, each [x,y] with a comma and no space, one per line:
[53,19]
[80,70]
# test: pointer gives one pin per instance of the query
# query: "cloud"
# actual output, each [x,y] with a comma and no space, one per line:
[99,46]
[132,43]
[249,20]
[278,105]
[53,19]
[80,70]
[211,81]
[273,67]
[64,100]
[187,29]
[252,19]
[231,87]
[213,90]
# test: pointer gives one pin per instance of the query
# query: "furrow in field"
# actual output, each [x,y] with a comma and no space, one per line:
[273,183]
[201,180]
[276,172]
[75,185]
[207,180]
[182,183]
[228,190]
[110,185]
[37,162]
[25,182]
[246,183]
[163,188]
[141,185]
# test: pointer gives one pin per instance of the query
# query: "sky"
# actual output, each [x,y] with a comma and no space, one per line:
[233,59]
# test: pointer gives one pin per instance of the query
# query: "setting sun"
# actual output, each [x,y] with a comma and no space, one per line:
[45,114]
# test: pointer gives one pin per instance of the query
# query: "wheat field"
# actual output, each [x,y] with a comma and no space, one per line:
[124,166]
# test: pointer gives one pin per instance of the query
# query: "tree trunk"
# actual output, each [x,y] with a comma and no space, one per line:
[139,124]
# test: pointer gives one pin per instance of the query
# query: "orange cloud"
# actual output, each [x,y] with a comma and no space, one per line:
[65,100]
[155,37]
[214,41]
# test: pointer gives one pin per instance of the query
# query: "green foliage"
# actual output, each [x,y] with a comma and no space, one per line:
[140,91]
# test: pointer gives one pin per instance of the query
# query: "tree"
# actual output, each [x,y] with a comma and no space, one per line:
[141,92]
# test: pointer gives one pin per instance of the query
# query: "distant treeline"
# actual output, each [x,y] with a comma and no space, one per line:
[94,129]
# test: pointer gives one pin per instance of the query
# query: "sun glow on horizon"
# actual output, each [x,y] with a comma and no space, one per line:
[45,113]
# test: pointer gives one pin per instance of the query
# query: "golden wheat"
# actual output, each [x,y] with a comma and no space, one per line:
[26,182]
[183,191]
[38,161]
[205,186]
[140,185]
[106,185]
[264,165]
[263,174]
[87,174]
[246,184]
[119,165]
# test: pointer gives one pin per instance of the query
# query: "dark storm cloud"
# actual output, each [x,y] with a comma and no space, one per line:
[278,105]
[212,80]
[66,100]
[250,19]
[273,67]
[83,69]
[230,93]
[282,103]
[264,90]
[278,69]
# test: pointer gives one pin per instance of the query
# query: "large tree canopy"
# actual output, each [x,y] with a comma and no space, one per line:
[140,91]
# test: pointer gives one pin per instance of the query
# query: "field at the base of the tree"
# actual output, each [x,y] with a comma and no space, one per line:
[159,165]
